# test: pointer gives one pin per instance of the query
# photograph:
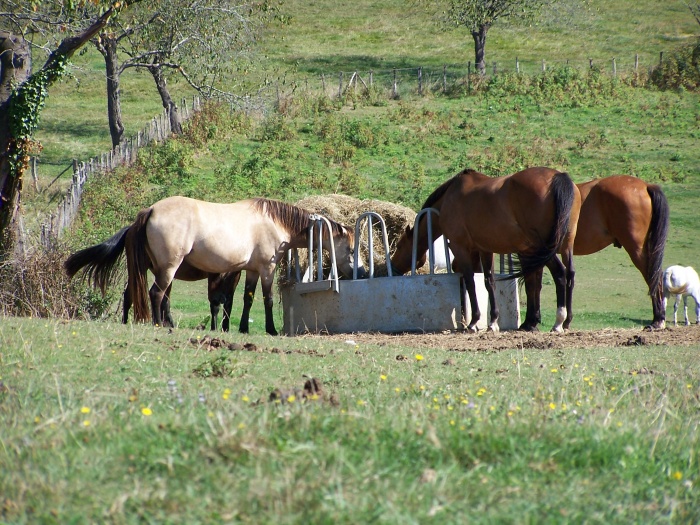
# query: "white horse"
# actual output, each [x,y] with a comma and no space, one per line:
[682,281]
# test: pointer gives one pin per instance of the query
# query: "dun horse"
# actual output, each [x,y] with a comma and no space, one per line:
[220,289]
[682,281]
[532,213]
[210,238]
[628,213]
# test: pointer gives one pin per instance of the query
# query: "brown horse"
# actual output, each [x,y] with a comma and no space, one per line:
[209,238]
[532,213]
[628,213]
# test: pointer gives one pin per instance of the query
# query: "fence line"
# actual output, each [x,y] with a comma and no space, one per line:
[420,79]
[157,130]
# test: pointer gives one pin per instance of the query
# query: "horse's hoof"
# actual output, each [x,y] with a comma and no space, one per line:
[472,329]
[493,328]
[528,328]
[272,332]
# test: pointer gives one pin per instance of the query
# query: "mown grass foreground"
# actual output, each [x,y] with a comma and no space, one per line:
[103,423]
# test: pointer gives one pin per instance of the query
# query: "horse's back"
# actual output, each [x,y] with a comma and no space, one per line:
[614,210]
[212,237]
[501,214]
[681,280]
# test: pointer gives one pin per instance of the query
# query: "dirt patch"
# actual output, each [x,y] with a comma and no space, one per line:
[490,342]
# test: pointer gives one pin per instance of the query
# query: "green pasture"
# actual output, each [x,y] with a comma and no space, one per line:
[108,423]
[104,423]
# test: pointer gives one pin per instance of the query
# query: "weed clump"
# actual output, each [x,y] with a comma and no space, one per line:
[36,285]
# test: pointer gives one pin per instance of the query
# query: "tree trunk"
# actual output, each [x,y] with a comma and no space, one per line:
[15,67]
[480,47]
[168,104]
[107,46]
[15,61]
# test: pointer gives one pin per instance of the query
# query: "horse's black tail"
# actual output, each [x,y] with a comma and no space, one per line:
[656,239]
[100,261]
[137,264]
[563,190]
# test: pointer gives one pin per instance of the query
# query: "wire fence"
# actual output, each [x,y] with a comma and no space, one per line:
[157,130]
[419,80]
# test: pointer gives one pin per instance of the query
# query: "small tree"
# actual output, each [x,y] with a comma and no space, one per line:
[478,16]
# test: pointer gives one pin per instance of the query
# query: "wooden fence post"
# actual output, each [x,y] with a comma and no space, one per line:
[469,76]
[614,66]
[371,79]
[35,174]
[444,79]
[340,85]
[395,90]
[544,66]
[420,80]
[661,57]
[517,65]
[590,63]
[636,62]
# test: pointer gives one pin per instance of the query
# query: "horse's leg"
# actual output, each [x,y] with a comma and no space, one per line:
[639,256]
[675,310]
[251,281]
[158,292]
[230,283]
[213,284]
[269,301]
[127,304]
[533,288]
[466,261]
[487,265]
[568,261]
[696,296]
[165,308]
[685,309]
[463,298]
[556,267]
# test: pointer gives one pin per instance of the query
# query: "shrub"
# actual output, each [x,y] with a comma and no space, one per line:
[680,70]
[36,285]
[215,120]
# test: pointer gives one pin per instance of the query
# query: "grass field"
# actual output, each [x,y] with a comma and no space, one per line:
[111,424]
[106,423]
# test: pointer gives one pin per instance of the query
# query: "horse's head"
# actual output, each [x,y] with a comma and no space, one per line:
[344,242]
[401,260]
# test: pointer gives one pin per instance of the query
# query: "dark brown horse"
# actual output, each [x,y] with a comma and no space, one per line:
[628,213]
[532,213]
[211,238]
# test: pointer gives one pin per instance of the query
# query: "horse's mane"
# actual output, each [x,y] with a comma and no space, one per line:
[442,189]
[293,218]
[439,192]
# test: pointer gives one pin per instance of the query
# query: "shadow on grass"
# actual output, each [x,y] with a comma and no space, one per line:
[334,64]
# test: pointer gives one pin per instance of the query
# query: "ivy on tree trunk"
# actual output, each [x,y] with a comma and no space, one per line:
[22,97]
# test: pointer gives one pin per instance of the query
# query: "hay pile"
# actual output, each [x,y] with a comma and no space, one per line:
[346,210]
